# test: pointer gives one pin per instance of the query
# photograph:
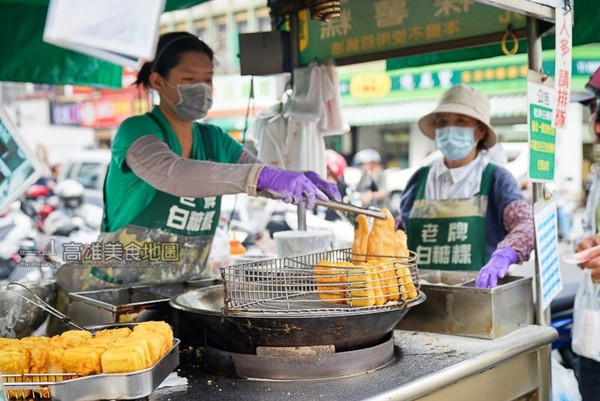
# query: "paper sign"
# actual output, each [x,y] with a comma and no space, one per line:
[542,138]
[19,168]
[564,56]
[122,32]
[546,239]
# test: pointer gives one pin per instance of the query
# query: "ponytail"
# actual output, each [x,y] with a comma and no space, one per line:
[143,77]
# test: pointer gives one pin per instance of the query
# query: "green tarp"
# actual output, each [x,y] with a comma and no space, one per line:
[26,58]
[586,30]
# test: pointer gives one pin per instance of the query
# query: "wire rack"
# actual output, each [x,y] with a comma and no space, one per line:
[32,385]
[336,281]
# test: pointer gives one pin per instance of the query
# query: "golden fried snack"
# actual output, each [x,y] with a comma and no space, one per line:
[44,359]
[361,238]
[4,342]
[401,248]
[407,287]
[382,237]
[83,360]
[54,364]
[15,359]
[362,291]
[77,334]
[158,328]
[113,334]
[134,345]
[386,279]
[330,278]
[122,360]
[155,345]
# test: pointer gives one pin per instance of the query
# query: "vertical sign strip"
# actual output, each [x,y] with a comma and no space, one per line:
[562,68]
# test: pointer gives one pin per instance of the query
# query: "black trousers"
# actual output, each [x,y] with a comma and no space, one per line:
[589,379]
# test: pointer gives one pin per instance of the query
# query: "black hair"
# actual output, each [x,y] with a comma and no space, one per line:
[169,49]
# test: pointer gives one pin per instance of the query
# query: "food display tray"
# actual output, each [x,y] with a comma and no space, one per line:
[119,386]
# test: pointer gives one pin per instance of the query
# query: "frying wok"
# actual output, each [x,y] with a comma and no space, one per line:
[243,333]
[19,317]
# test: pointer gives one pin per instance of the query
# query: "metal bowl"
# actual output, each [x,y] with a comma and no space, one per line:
[19,317]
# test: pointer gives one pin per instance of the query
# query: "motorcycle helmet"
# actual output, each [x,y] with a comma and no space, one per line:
[335,162]
[70,193]
[367,156]
[37,191]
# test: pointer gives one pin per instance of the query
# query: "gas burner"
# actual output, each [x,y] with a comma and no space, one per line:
[300,363]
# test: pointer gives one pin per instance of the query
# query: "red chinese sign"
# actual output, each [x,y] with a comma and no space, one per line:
[564,55]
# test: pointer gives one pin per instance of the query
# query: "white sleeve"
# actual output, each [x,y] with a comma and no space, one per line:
[154,162]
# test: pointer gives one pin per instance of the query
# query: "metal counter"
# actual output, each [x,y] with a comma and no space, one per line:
[428,366]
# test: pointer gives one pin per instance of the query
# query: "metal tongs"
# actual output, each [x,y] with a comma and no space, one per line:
[346,211]
[349,211]
[44,305]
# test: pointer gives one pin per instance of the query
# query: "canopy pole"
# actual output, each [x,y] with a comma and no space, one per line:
[534,59]
[294,62]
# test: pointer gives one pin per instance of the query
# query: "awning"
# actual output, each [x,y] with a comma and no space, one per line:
[410,111]
[27,58]
[585,30]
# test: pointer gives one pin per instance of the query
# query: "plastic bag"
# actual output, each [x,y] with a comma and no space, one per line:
[220,253]
[586,319]
[564,383]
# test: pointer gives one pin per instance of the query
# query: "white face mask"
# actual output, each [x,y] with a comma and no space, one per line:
[455,143]
[194,100]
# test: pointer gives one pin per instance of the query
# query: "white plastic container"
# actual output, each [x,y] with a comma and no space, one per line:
[295,243]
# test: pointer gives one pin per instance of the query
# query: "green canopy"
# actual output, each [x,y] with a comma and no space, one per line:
[585,31]
[27,58]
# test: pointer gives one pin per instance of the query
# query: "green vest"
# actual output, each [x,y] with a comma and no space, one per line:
[449,234]
[168,241]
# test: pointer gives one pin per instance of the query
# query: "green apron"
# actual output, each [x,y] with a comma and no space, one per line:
[449,234]
[169,241]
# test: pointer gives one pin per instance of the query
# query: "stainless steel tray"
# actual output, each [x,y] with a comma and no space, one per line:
[119,386]
[455,306]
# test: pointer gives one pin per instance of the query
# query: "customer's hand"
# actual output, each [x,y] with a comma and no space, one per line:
[496,268]
[291,186]
[594,263]
[588,242]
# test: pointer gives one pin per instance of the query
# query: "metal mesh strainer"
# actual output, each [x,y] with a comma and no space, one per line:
[334,282]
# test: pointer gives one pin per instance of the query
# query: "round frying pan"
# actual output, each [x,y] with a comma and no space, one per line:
[243,333]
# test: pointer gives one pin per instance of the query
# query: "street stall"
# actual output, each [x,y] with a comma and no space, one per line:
[309,351]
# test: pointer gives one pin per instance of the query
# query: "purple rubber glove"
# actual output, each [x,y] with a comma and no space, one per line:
[328,188]
[290,186]
[496,268]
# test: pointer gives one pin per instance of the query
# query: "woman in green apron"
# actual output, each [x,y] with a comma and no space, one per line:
[167,174]
[463,212]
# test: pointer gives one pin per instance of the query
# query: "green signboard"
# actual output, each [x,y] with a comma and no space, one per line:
[369,30]
[498,75]
[542,136]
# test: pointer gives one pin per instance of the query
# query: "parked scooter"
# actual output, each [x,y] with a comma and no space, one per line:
[16,234]
[73,221]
